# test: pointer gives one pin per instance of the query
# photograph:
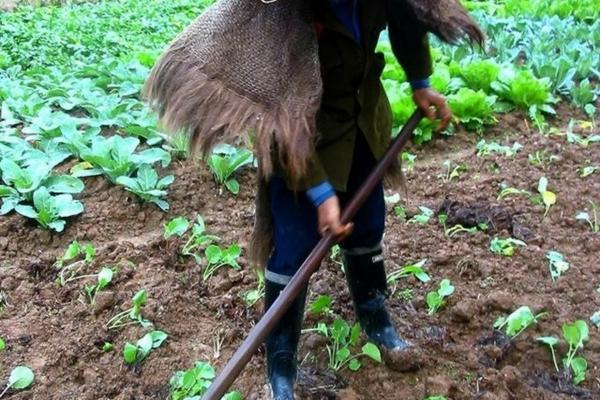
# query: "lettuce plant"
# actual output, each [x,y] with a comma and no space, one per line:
[136,353]
[225,161]
[517,322]
[134,314]
[20,378]
[147,185]
[436,299]
[474,109]
[49,210]
[216,257]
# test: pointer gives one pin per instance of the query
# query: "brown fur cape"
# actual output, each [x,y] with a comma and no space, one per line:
[251,67]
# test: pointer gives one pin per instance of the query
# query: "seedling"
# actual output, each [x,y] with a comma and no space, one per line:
[595,318]
[548,198]
[510,191]
[541,159]
[484,149]
[136,353]
[400,212]
[134,313]
[575,335]
[336,256]
[505,247]
[436,398]
[225,162]
[517,322]
[147,186]
[322,305]
[176,227]
[408,160]
[587,171]
[70,271]
[416,270]
[104,278]
[251,297]
[456,229]
[198,238]
[558,264]
[436,299]
[20,378]
[49,210]
[423,218]
[594,223]
[193,383]
[2,344]
[217,257]
[107,347]
[452,173]
[341,339]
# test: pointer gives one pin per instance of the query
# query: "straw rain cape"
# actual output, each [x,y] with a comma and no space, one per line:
[250,68]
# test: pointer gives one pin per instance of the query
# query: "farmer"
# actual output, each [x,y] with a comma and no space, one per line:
[306,83]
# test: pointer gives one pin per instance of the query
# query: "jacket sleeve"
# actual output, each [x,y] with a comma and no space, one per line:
[409,40]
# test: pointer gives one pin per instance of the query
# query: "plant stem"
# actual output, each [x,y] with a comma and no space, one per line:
[554,358]
[5,390]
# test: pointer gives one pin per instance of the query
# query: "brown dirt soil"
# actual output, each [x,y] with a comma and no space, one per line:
[58,334]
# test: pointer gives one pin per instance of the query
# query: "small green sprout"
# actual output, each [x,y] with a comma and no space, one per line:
[415,270]
[225,161]
[336,256]
[408,160]
[134,313]
[436,299]
[322,305]
[191,384]
[484,149]
[558,264]
[452,173]
[20,378]
[107,347]
[575,334]
[585,216]
[341,338]
[423,218]
[436,398]
[104,278]
[217,257]
[176,227]
[548,197]
[400,212]
[517,322]
[595,318]
[505,247]
[251,297]
[197,239]
[2,344]
[509,191]
[456,229]
[136,353]
[68,272]
[541,159]
[587,171]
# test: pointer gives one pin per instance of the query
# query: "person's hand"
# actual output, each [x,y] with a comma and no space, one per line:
[433,106]
[329,219]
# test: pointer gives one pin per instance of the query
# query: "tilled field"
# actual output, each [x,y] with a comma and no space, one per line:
[59,335]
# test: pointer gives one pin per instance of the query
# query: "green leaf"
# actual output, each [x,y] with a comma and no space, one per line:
[579,366]
[446,288]
[158,337]
[548,340]
[63,184]
[354,334]
[104,277]
[21,378]
[176,227]
[372,351]
[321,304]
[2,344]
[140,298]
[129,353]
[342,355]
[354,365]
[233,186]
[213,254]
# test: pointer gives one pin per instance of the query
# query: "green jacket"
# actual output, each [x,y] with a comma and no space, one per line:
[353,97]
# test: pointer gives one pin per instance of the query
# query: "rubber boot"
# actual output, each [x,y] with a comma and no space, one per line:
[282,344]
[367,282]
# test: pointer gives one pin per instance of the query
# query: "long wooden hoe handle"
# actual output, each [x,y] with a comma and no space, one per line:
[260,331]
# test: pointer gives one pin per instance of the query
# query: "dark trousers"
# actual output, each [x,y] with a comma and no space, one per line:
[295,221]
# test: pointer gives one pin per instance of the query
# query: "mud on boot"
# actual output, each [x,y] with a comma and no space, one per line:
[367,282]
[282,344]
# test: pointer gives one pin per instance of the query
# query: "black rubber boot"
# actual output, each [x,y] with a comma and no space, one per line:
[367,282]
[282,344]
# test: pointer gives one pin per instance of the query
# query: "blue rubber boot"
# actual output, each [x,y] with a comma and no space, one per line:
[282,344]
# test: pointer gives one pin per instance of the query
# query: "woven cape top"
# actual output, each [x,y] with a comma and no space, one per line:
[252,67]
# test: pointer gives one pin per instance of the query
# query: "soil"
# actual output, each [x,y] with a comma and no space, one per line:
[56,332]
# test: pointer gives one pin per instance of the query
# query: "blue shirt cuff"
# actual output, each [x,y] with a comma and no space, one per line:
[320,193]
[420,84]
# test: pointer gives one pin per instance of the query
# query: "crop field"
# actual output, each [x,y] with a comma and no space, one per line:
[123,267]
